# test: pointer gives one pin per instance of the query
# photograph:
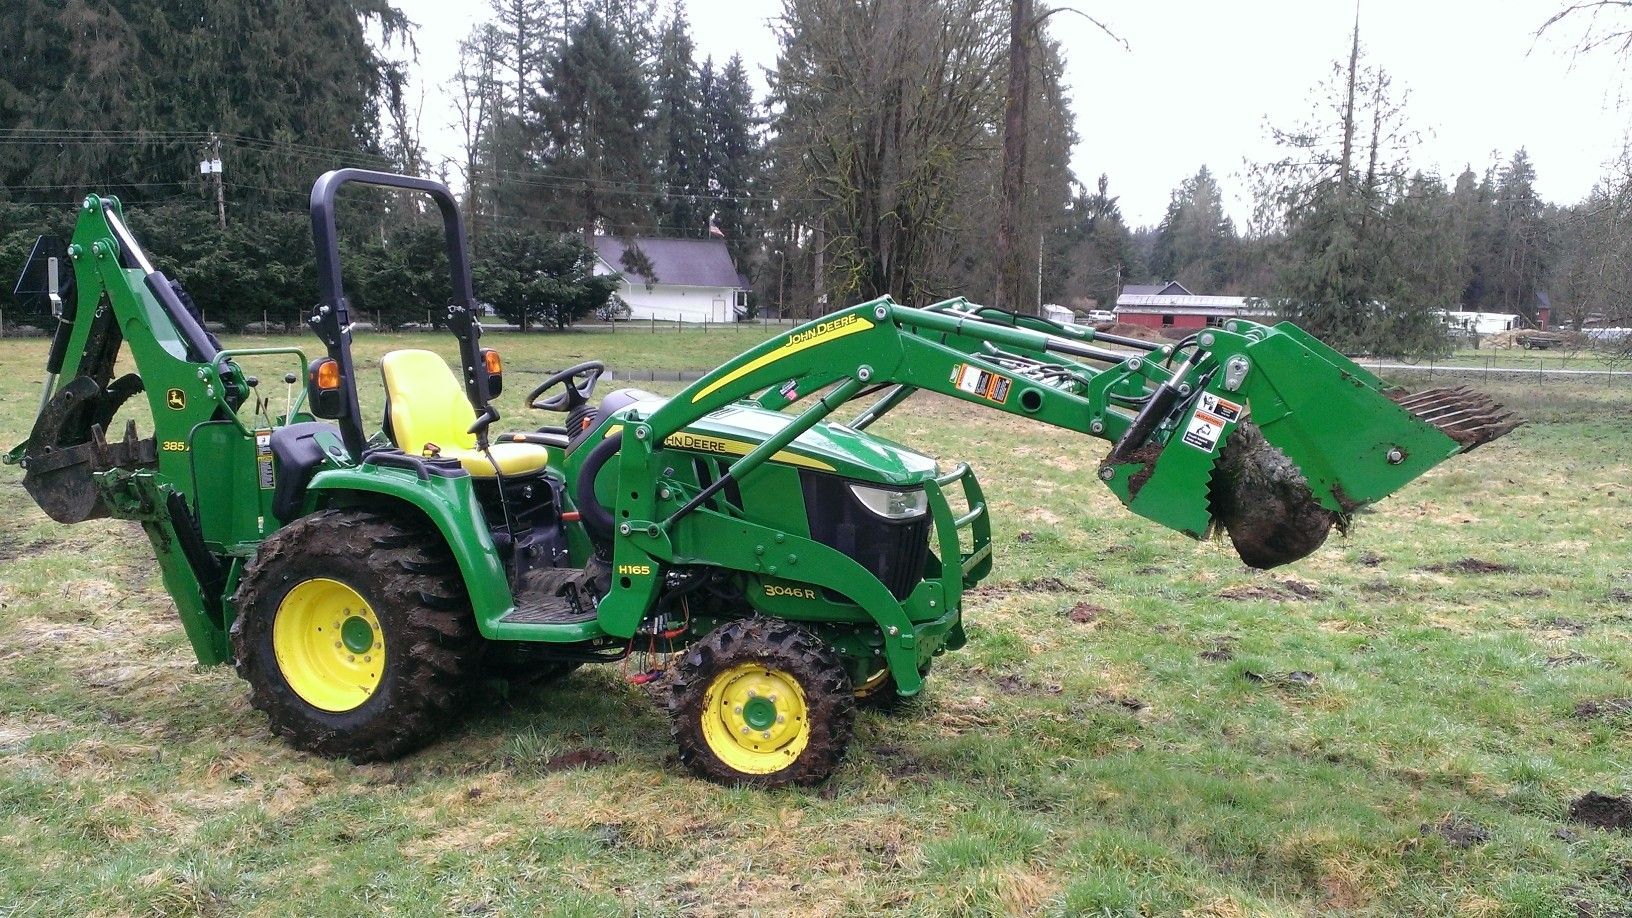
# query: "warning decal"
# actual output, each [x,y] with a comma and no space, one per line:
[1224,408]
[982,383]
[1204,431]
[263,459]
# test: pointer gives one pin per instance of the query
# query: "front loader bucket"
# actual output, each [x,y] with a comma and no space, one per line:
[1305,438]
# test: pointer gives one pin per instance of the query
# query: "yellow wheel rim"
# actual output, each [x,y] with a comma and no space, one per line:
[755,719]
[329,645]
[873,684]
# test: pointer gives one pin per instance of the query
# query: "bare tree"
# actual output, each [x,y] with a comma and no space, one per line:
[883,105]
[475,102]
[1604,25]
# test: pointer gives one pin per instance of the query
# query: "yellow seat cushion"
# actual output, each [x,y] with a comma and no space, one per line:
[428,413]
[513,459]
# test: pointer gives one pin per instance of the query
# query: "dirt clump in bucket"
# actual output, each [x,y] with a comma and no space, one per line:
[1262,500]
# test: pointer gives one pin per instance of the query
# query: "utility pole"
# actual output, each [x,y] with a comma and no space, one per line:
[211,165]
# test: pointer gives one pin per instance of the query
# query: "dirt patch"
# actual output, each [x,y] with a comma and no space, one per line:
[1566,625]
[1085,613]
[1458,832]
[1620,595]
[1222,650]
[1470,566]
[1260,497]
[1277,591]
[1297,678]
[1567,659]
[1602,811]
[1381,588]
[1025,537]
[11,551]
[1015,684]
[1530,592]
[1371,559]
[899,763]
[1036,585]
[1602,708]
[586,757]
[1125,702]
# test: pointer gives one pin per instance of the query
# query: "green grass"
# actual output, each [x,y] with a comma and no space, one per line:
[1126,765]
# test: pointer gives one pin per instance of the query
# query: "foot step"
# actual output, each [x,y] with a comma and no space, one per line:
[551,611]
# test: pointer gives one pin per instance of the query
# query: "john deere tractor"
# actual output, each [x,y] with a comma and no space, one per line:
[360,572]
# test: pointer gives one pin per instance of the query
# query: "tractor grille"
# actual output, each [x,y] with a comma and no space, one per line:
[895,552]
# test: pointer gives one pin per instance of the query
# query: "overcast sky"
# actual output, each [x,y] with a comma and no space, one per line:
[1204,77]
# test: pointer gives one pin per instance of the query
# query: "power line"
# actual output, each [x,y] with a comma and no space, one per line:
[42,137]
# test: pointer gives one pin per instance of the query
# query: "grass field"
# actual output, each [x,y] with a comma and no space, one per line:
[1139,725]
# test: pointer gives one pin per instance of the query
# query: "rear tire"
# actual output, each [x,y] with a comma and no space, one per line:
[376,639]
[761,702]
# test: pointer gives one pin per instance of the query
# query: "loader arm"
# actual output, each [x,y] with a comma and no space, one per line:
[1319,436]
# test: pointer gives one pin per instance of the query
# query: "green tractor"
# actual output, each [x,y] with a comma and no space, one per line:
[787,567]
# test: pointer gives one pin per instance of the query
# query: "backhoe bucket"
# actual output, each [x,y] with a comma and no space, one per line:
[1288,438]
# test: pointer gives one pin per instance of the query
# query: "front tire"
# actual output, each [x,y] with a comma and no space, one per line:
[761,702]
[355,634]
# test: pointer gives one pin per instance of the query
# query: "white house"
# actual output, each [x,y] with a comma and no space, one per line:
[691,280]
[1483,323]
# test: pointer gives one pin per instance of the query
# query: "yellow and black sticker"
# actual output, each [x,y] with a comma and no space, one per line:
[988,385]
[263,459]
[175,399]
[704,443]
[820,333]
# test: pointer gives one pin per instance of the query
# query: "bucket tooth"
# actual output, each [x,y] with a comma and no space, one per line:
[1469,417]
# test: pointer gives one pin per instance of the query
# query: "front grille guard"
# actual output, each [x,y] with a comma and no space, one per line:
[974,564]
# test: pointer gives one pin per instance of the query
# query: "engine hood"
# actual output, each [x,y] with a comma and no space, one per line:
[835,448]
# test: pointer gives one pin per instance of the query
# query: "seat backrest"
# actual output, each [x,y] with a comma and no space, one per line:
[424,403]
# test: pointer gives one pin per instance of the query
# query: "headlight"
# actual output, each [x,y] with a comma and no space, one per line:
[892,505]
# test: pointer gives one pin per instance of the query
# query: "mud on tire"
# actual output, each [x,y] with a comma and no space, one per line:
[792,652]
[405,572]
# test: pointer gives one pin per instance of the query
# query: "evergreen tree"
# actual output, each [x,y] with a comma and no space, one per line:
[1517,257]
[1100,252]
[1196,241]
[678,128]
[531,277]
[156,76]
[734,152]
[592,116]
[1349,272]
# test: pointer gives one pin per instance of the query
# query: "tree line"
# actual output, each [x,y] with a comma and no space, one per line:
[910,149]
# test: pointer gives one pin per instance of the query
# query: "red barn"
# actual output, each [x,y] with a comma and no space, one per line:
[1170,305]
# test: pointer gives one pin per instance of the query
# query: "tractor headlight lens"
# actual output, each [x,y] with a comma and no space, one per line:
[892,505]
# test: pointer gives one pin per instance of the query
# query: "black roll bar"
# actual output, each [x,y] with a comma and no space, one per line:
[332,317]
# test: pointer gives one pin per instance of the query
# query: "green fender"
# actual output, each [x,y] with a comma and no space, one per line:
[450,504]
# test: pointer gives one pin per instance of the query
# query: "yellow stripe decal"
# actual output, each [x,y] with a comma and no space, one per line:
[706,443]
[798,341]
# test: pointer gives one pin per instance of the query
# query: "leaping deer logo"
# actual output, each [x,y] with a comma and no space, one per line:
[176,399]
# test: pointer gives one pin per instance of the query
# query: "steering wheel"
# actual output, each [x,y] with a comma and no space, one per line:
[580,381]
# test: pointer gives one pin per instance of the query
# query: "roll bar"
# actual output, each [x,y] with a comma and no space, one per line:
[332,317]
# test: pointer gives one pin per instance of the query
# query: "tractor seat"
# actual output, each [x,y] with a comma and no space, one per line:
[426,412]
